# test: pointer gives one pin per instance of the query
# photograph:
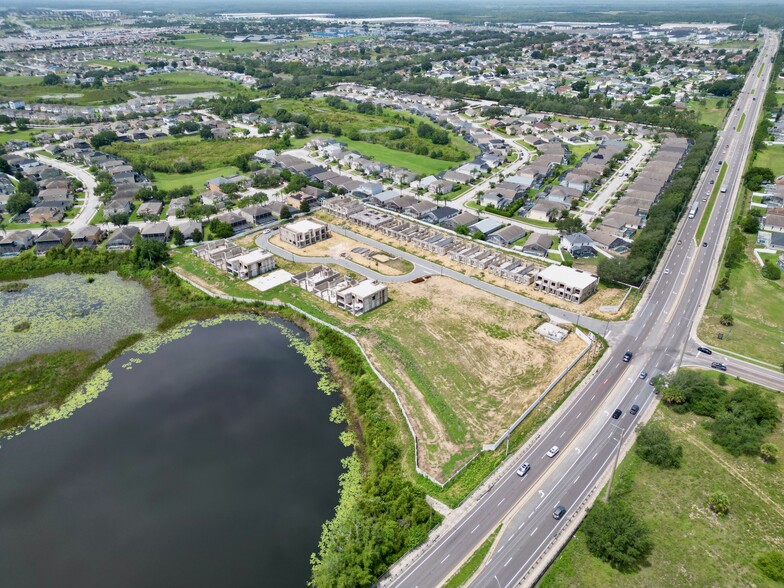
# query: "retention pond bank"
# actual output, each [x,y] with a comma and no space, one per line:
[208,462]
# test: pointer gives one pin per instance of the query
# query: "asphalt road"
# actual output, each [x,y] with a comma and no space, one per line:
[659,336]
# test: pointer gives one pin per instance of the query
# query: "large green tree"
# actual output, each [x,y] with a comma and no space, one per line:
[616,535]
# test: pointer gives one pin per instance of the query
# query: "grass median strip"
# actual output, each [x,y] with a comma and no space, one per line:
[741,121]
[472,564]
[709,206]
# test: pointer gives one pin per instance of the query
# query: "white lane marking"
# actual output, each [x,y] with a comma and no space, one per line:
[507,561]
[521,526]
[474,529]
[499,504]
[562,434]
[446,558]
[542,493]
[594,455]
[510,538]
[581,412]
[534,531]
[575,480]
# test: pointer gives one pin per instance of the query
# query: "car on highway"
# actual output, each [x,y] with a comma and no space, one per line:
[559,511]
[617,414]
[704,198]
[553,451]
[711,181]
[634,409]
[704,243]
[719,366]
[705,350]
[679,241]
[643,375]
[666,271]
[523,469]
[267,231]
[627,357]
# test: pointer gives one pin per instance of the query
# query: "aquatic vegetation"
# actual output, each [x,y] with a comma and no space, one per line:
[23,326]
[13,286]
[65,312]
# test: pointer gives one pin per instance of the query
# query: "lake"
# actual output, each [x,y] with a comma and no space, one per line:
[212,462]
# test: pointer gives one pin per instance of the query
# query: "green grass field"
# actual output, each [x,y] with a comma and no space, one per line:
[217,43]
[692,546]
[740,122]
[364,128]
[709,205]
[710,113]
[579,151]
[772,156]
[196,179]
[757,305]
[419,164]
[112,64]
[31,89]
[214,277]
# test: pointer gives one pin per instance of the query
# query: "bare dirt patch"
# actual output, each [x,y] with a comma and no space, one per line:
[465,362]
[340,247]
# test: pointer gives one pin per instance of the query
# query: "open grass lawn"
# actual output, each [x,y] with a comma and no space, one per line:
[195,179]
[710,113]
[419,164]
[217,43]
[210,276]
[210,158]
[374,130]
[579,151]
[692,546]
[31,89]
[26,135]
[112,64]
[771,156]
[757,305]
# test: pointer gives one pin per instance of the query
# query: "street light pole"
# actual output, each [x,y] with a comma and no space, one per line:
[615,467]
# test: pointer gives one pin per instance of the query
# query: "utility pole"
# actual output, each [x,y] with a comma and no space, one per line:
[615,467]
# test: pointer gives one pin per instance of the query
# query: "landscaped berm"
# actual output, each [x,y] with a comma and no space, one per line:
[466,363]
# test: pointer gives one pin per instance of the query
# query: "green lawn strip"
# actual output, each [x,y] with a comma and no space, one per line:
[195,179]
[472,564]
[26,135]
[692,546]
[185,259]
[579,151]
[709,205]
[741,121]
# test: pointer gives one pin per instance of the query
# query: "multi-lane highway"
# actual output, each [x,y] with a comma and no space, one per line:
[588,437]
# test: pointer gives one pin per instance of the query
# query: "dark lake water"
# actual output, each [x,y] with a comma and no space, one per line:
[211,463]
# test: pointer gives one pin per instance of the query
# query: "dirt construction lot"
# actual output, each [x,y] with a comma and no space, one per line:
[466,363]
[340,247]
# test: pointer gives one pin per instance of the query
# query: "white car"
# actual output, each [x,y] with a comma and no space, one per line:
[666,271]
[523,469]
[553,451]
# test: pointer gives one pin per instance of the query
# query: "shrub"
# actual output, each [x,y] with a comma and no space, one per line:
[615,534]
[719,503]
[771,564]
[769,452]
[727,320]
[771,271]
[655,446]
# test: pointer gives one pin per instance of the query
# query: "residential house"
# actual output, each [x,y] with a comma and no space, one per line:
[256,214]
[160,231]
[52,238]
[577,245]
[251,264]
[538,244]
[440,214]
[565,282]
[87,237]
[121,238]
[304,232]
[507,236]
[46,214]
[15,242]
[462,219]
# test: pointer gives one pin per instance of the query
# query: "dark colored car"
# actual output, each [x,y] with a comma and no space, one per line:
[704,243]
[719,366]
[634,409]
[617,414]
[627,357]
[705,350]
[559,511]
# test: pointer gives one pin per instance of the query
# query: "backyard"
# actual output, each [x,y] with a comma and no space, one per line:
[692,545]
